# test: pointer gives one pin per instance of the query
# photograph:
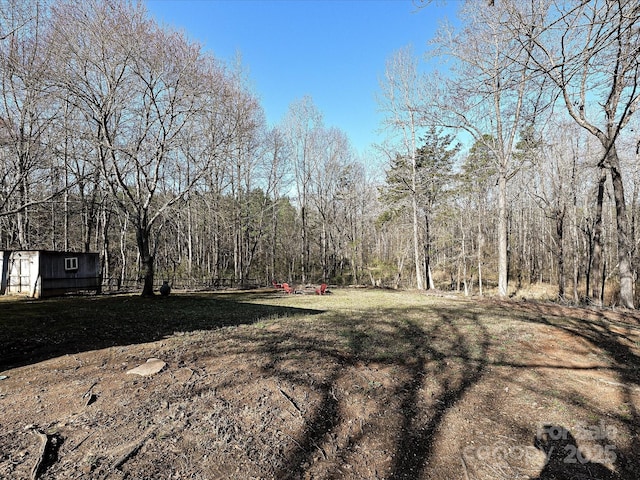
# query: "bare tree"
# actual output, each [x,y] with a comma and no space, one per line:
[591,53]
[247,122]
[275,158]
[354,209]
[139,87]
[551,193]
[490,96]
[335,157]
[303,126]
[401,100]
[433,172]
[27,113]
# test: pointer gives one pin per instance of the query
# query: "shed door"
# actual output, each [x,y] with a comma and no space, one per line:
[19,275]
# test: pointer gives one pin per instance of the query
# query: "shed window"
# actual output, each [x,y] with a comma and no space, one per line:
[71,263]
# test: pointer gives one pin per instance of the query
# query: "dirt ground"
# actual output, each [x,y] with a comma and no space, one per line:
[359,384]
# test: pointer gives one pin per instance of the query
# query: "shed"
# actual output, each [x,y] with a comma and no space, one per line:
[43,273]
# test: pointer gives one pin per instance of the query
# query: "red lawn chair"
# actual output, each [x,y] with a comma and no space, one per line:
[322,289]
[287,288]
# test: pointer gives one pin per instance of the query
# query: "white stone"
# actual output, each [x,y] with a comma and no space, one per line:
[151,367]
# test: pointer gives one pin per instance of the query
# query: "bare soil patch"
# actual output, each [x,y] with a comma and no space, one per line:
[359,384]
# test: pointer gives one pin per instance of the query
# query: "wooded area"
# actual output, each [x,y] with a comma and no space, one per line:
[517,163]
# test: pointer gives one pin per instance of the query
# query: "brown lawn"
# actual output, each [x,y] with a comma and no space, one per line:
[357,384]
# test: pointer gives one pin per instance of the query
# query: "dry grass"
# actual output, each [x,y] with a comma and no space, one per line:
[357,384]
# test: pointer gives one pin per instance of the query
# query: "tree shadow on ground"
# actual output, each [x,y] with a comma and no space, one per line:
[451,349]
[35,330]
[607,331]
[419,351]
[416,443]
[434,354]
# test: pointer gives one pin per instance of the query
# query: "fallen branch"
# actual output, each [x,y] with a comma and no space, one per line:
[464,466]
[290,400]
[324,454]
[75,447]
[88,396]
[133,448]
[88,392]
[44,443]
[608,382]
[617,384]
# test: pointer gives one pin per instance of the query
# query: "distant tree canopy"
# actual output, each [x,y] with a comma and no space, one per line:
[515,166]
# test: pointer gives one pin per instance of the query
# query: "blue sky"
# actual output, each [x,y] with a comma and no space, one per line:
[332,50]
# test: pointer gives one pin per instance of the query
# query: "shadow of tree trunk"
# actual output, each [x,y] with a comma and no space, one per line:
[418,434]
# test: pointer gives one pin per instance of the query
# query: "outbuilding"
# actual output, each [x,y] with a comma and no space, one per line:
[43,273]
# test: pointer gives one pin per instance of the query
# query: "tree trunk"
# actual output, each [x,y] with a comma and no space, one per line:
[622,226]
[464,263]
[480,246]
[562,280]
[22,217]
[427,252]
[576,259]
[416,246]
[66,209]
[597,247]
[503,261]
[274,238]
[146,260]
[324,248]
[215,244]
[106,247]
[400,265]
[305,245]
[123,249]
[574,231]
[189,243]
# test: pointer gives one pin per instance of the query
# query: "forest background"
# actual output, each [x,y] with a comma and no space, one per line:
[515,164]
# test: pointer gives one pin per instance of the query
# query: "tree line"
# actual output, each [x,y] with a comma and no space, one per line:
[544,93]
[514,165]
